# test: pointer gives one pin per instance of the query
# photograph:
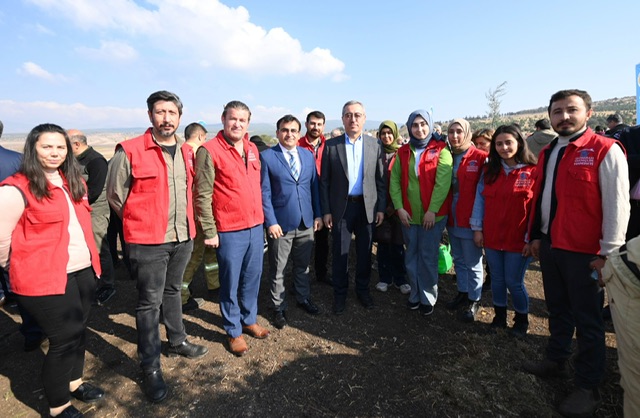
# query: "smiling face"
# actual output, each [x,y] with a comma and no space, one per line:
[165,118]
[288,134]
[457,137]
[420,128]
[569,115]
[51,149]
[353,119]
[235,124]
[315,128]
[386,136]
[507,147]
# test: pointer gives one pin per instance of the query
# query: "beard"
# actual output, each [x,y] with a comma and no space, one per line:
[166,131]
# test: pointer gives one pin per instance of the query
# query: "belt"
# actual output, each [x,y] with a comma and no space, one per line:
[357,198]
[631,265]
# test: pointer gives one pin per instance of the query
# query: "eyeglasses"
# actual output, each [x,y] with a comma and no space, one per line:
[353,115]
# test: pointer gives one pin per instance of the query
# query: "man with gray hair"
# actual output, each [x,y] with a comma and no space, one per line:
[353,197]
[94,172]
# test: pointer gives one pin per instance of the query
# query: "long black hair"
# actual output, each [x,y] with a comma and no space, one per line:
[523,154]
[32,168]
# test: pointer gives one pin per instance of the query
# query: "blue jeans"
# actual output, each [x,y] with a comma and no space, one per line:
[467,262]
[421,261]
[507,272]
[240,256]
[391,263]
[158,269]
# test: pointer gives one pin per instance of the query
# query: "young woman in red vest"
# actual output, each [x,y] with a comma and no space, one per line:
[46,230]
[500,217]
[467,258]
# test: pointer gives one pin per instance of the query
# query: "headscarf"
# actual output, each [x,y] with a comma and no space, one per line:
[466,129]
[417,143]
[393,146]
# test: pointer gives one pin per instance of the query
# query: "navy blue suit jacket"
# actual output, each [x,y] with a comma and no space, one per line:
[285,201]
[9,162]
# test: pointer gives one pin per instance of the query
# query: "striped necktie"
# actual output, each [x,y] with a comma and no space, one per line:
[293,165]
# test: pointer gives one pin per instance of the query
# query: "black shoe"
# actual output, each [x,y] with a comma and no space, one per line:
[279,319]
[310,307]
[33,343]
[154,386]
[104,294]
[192,304]
[339,307]
[88,393]
[500,319]
[460,299]
[367,302]
[520,326]
[70,412]
[188,350]
[426,310]
[413,305]
[581,403]
[470,311]
[3,300]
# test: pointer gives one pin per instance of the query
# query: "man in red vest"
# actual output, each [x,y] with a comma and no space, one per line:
[229,208]
[314,140]
[581,209]
[149,187]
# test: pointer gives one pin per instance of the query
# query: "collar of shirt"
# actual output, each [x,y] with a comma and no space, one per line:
[285,151]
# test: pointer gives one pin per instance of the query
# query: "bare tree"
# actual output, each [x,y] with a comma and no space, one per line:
[493,101]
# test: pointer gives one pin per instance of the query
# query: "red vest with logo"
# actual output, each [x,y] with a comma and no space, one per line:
[146,212]
[40,240]
[507,205]
[468,174]
[237,196]
[427,168]
[577,224]
[304,143]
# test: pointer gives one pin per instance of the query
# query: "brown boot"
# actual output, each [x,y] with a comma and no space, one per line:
[238,346]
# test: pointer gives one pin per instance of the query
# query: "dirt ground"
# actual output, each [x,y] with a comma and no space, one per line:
[389,362]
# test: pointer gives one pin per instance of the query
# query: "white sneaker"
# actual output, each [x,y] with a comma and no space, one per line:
[405,289]
[382,286]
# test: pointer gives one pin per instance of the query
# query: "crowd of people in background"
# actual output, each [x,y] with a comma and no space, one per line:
[564,195]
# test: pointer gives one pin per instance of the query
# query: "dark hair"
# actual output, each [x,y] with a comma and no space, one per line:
[616,117]
[1,128]
[599,128]
[316,114]
[235,104]
[523,154]
[563,94]
[165,96]
[32,168]
[287,119]
[543,124]
[193,129]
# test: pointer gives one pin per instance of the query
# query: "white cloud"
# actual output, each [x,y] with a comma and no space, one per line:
[209,33]
[44,30]
[34,70]
[110,51]
[22,116]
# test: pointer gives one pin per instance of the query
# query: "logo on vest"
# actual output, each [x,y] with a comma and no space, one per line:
[585,157]
[524,180]
[432,153]
[252,156]
[473,167]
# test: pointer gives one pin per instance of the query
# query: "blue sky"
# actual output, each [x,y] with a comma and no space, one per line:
[92,63]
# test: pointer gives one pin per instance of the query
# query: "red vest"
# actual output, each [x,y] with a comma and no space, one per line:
[40,240]
[468,173]
[146,212]
[426,175]
[237,196]
[577,224]
[507,205]
[304,143]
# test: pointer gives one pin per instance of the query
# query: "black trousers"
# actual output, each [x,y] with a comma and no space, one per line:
[321,252]
[63,318]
